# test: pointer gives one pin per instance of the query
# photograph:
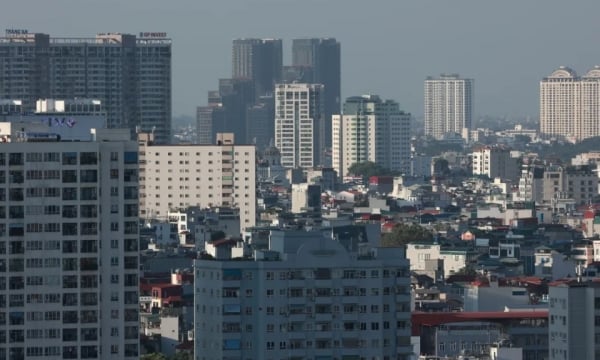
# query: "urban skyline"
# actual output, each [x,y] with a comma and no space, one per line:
[246,237]
[393,66]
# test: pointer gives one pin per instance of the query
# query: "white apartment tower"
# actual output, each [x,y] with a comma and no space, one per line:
[448,105]
[299,124]
[570,105]
[306,297]
[69,259]
[175,177]
[371,130]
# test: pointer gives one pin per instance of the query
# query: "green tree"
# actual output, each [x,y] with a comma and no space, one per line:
[153,356]
[217,235]
[467,270]
[181,355]
[366,169]
[403,234]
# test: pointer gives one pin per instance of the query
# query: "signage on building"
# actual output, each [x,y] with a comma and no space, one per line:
[59,121]
[12,32]
[145,298]
[153,34]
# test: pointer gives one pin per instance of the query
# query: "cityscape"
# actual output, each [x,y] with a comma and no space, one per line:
[288,215]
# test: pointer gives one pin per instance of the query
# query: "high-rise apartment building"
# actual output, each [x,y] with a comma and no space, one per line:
[130,75]
[306,296]
[175,177]
[574,313]
[371,130]
[321,61]
[448,106]
[226,111]
[299,124]
[69,238]
[570,105]
[259,60]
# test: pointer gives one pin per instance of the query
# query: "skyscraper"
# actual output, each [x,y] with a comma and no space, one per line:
[236,96]
[69,251]
[130,75]
[259,123]
[322,60]
[448,106]
[299,124]
[259,60]
[371,130]
[570,105]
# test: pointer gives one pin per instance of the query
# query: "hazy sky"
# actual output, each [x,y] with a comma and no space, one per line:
[388,46]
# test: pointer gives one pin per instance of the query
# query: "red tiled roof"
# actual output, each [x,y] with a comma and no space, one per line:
[223,242]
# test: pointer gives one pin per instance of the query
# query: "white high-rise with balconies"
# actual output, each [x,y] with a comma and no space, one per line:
[570,105]
[299,124]
[448,106]
[69,257]
[371,130]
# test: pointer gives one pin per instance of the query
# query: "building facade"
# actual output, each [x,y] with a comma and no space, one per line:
[320,61]
[371,130]
[299,124]
[573,312]
[130,75]
[555,186]
[69,271]
[495,162]
[259,123]
[175,177]
[570,105]
[305,297]
[448,105]
[259,60]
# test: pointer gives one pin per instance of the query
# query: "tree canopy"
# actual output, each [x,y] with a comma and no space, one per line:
[403,234]
[159,356]
[153,356]
[366,169]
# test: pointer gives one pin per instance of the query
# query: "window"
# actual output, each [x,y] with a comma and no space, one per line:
[88,158]
[88,176]
[69,158]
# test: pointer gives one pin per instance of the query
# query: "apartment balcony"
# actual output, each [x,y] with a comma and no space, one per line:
[403,314]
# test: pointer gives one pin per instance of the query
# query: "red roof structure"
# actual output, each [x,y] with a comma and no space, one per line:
[421,319]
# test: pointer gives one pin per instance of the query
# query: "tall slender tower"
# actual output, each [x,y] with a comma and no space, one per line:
[299,124]
[130,75]
[321,60]
[371,130]
[259,60]
[448,106]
